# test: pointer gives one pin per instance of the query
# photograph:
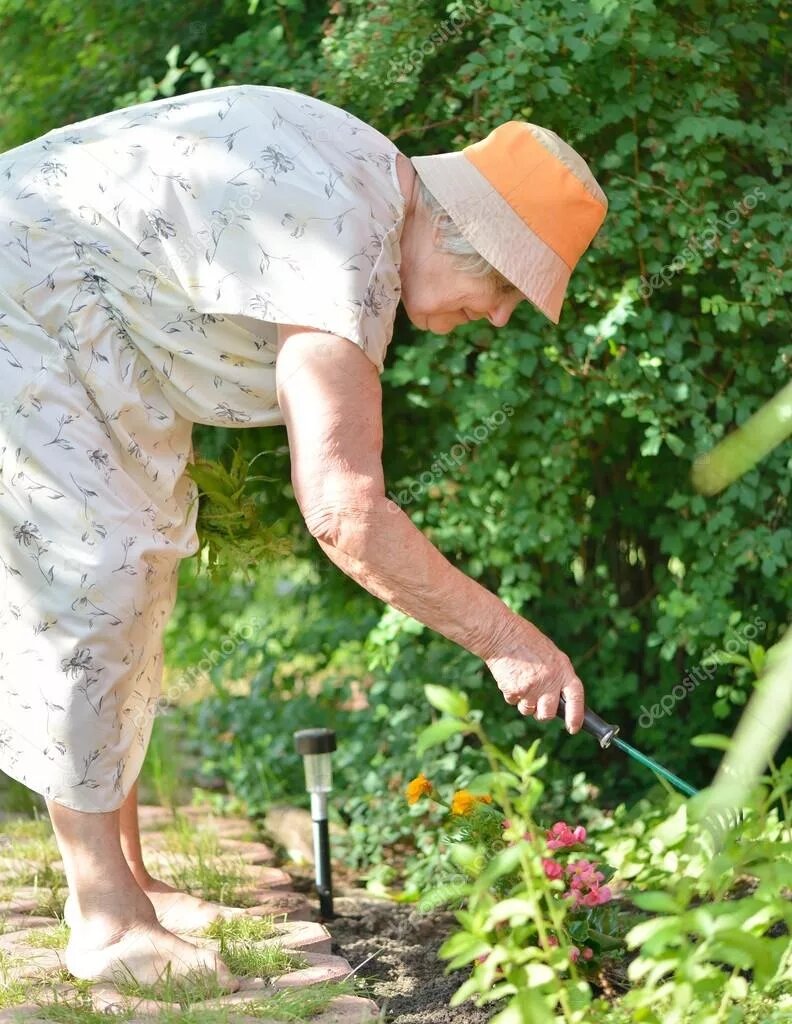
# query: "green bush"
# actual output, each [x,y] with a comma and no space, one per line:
[576,507]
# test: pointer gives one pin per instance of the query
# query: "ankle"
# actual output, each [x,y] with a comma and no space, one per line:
[109,915]
[141,874]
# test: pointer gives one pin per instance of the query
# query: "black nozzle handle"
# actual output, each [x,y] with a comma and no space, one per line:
[592,724]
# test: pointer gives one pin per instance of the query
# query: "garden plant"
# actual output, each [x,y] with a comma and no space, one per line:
[554,465]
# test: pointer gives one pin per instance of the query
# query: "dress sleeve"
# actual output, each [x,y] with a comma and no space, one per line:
[341,278]
[304,228]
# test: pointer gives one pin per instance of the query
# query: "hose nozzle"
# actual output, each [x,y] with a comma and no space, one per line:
[592,724]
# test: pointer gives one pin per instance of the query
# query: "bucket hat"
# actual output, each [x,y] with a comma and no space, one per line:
[526,201]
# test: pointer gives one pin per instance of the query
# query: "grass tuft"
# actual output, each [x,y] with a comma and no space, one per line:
[13,991]
[217,882]
[56,937]
[77,1010]
[249,961]
[298,1004]
[51,901]
[185,837]
[240,929]
[184,990]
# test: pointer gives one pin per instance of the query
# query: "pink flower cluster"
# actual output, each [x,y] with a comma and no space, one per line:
[585,884]
[561,835]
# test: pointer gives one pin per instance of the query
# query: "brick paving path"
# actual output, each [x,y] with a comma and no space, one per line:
[26,911]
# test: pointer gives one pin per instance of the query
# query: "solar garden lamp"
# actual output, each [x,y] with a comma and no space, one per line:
[316,747]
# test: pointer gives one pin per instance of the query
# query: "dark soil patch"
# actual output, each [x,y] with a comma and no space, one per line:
[404,975]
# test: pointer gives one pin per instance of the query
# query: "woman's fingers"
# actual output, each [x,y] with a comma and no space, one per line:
[574,695]
[546,707]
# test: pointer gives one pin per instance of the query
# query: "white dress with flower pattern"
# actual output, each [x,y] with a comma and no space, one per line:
[146,256]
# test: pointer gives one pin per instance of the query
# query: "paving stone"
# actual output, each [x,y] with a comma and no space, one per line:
[49,992]
[321,967]
[29,961]
[292,829]
[201,814]
[108,999]
[28,1012]
[340,1010]
[300,936]
[348,1010]
[259,876]
[23,899]
[303,936]
[235,828]
[18,922]
[250,852]
[28,898]
[293,905]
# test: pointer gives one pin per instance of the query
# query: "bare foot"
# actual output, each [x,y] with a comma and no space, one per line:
[145,953]
[181,912]
[176,911]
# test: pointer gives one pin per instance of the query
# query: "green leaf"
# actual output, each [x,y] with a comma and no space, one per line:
[712,740]
[450,702]
[657,902]
[653,936]
[437,733]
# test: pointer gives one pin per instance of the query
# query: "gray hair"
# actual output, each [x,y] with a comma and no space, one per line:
[452,241]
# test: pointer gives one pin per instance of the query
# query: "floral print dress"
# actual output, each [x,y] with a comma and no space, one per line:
[146,256]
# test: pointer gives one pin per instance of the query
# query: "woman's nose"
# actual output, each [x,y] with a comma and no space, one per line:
[501,311]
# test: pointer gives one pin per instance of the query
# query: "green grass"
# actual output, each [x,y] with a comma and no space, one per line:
[249,961]
[18,799]
[161,772]
[18,829]
[51,901]
[192,988]
[77,1010]
[43,876]
[183,836]
[298,1004]
[291,1005]
[237,929]
[13,991]
[31,841]
[219,882]
[56,937]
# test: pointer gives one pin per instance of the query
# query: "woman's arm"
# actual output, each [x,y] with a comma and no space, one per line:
[330,396]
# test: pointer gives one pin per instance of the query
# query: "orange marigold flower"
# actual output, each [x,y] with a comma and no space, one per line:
[484,799]
[462,802]
[417,787]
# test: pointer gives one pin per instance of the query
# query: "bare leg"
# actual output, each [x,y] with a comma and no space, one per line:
[176,910]
[114,928]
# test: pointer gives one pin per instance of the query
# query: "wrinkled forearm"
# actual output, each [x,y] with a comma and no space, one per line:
[378,546]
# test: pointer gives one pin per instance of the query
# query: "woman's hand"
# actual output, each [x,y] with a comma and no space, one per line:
[531,672]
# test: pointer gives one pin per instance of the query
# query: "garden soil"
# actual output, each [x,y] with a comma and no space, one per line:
[397,948]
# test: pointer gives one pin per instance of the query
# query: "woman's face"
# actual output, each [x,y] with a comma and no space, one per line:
[437,297]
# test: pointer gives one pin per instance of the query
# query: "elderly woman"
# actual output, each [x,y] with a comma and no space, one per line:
[233,257]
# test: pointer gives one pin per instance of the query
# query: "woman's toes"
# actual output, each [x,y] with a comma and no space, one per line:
[145,955]
[181,912]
